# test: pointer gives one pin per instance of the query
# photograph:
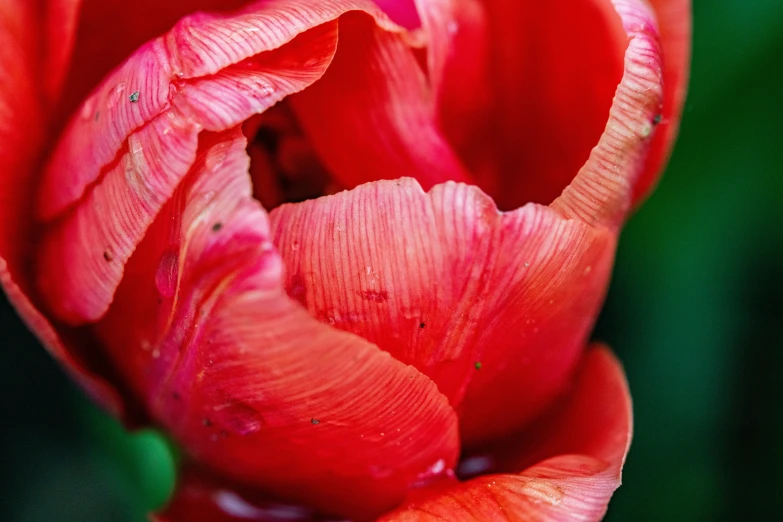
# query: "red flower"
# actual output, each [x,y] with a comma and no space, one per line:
[341,352]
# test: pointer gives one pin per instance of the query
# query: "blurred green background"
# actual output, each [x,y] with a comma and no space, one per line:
[695,312]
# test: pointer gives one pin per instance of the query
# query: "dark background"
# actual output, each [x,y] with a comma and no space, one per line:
[694,312]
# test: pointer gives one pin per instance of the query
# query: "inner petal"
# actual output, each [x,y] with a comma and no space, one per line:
[545,76]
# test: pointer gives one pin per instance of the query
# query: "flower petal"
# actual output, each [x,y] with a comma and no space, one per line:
[31,44]
[523,88]
[135,138]
[101,46]
[583,444]
[485,303]
[594,418]
[458,50]
[602,190]
[372,115]
[204,497]
[245,379]
[674,21]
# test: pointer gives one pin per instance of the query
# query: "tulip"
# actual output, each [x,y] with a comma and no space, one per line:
[347,254]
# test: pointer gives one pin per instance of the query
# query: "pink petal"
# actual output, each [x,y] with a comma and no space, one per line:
[372,115]
[102,46]
[674,21]
[121,159]
[599,196]
[602,190]
[582,446]
[245,379]
[485,303]
[35,41]
[523,88]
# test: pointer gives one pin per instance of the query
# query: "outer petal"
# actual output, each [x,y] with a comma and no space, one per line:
[203,497]
[674,21]
[242,376]
[134,139]
[35,41]
[583,441]
[447,283]
[376,120]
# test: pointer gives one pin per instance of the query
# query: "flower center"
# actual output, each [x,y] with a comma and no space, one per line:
[284,166]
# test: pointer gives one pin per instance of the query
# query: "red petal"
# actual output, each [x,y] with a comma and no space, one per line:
[447,283]
[34,47]
[458,48]
[372,115]
[674,21]
[110,30]
[594,419]
[135,138]
[203,497]
[582,446]
[600,196]
[245,379]
[538,86]
[602,191]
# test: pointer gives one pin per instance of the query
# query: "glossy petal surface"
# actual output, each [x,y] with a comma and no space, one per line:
[443,281]
[582,446]
[245,379]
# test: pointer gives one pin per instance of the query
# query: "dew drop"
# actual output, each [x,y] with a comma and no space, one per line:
[88,109]
[238,418]
[115,95]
